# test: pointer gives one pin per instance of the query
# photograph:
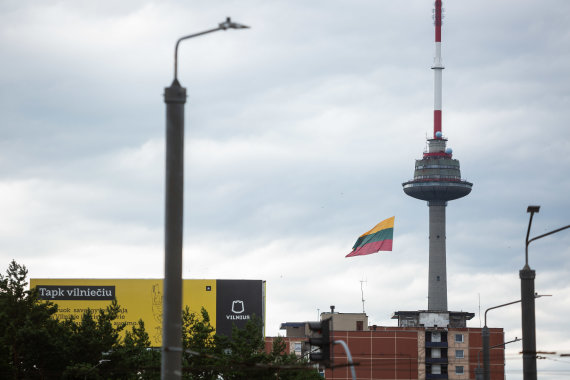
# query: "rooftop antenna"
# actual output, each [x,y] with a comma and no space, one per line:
[479,309]
[362,292]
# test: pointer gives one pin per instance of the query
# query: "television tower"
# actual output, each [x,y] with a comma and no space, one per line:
[437,180]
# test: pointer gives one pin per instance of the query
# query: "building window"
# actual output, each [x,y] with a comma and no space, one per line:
[297,348]
[436,369]
[459,338]
[459,370]
[359,325]
[459,354]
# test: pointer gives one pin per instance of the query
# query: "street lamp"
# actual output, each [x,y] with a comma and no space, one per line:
[175,98]
[527,276]
[485,337]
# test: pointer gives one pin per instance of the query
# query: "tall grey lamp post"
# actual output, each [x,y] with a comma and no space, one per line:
[175,98]
[527,276]
[485,336]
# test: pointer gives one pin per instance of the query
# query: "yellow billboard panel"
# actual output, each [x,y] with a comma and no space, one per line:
[139,299]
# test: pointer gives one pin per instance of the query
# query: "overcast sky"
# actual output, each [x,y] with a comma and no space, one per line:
[299,134]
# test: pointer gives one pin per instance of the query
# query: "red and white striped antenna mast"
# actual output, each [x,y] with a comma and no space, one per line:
[437,69]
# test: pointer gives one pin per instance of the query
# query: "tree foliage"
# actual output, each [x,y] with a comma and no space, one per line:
[30,340]
[35,345]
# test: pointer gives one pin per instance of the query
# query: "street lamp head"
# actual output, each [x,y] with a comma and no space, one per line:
[536,295]
[533,209]
[229,24]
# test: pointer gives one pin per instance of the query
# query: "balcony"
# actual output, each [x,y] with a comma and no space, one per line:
[436,344]
[436,360]
[434,376]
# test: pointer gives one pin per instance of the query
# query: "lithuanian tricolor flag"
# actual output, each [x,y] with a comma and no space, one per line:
[377,239]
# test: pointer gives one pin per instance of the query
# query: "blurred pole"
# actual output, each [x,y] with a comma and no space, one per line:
[527,276]
[528,324]
[171,366]
[485,336]
[479,374]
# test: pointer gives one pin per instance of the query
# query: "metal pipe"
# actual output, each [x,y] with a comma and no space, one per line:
[348,356]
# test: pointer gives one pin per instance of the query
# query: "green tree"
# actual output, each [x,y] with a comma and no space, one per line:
[33,344]
[239,357]
[30,339]
[134,358]
[202,357]
[82,371]
[245,352]
[288,365]
[246,357]
[94,337]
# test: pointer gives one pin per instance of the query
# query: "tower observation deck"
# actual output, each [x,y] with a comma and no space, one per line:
[437,180]
[437,177]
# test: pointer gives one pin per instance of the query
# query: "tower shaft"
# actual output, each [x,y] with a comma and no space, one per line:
[437,283]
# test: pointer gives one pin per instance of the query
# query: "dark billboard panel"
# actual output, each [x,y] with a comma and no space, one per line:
[237,302]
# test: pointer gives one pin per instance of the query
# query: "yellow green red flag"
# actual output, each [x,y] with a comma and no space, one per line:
[377,239]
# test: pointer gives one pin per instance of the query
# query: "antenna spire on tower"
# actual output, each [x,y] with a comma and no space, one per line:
[438,68]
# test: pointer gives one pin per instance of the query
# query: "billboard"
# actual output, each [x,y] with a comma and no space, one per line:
[228,302]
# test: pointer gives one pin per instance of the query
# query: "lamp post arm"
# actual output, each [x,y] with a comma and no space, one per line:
[185,38]
[495,346]
[228,24]
[496,307]
[526,240]
[510,303]
[546,234]
[504,344]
